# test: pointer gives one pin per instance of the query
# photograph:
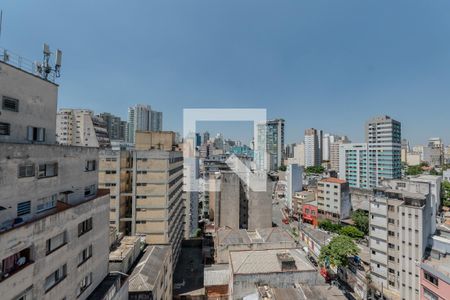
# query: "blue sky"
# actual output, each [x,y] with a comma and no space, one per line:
[325,64]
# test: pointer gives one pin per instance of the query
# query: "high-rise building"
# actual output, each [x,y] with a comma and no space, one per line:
[54,233]
[353,164]
[274,142]
[114,125]
[313,147]
[146,187]
[79,127]
[434,153]
[384,139]
[366,165]
[142,118]
[400,226]
[206,137]
[327,140]
[294,182]
[334,152]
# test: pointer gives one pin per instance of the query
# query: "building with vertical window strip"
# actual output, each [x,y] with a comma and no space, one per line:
[146,186]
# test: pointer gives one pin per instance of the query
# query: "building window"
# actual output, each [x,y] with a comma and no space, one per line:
[90,165]
[10,104]
[36,134]
[48,170]
[5,129]
[89,190]
[46,203]
[14,263]
[55,278]
[84,255]
[84,227]
[56,242]
[26,170]
[23,208]
[434,280]
[84,284]
[427,294]
[391,258]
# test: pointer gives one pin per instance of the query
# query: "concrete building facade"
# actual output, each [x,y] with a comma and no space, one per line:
[115,126]
[54,229]
[294,183]
[333,199]
[147,187]
[142,118]
[399,230]
[79,127]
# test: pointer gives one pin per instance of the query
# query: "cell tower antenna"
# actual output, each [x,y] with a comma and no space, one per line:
[1,22]
[46,68]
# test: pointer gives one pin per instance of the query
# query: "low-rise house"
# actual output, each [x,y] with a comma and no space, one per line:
[152,276]
[125,253]
[227,240]
[216,280]
[333,199]
[279,268]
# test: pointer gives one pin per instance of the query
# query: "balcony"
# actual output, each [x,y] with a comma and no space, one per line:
[15,263]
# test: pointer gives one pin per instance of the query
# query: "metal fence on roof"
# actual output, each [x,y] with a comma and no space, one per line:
[22,63]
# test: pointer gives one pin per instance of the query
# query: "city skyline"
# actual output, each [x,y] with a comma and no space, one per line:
[316,59]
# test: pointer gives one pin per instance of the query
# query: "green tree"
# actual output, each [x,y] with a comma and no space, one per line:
[315,170]
[361,220]
[329,226]
[445,193]
[414,170]
[351,231]
[282,168]
[338,251]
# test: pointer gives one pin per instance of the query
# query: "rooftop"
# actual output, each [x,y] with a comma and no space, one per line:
[227,236]
[439,265]
[111,282]
[333,180]
[126,245]
[217,275]
[250,262]
[146,272]
[319,236]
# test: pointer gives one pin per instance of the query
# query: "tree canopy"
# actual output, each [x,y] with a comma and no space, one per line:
[361,220]
[445,193]
[338,250]
[315,170]
[329,226]
[352,231]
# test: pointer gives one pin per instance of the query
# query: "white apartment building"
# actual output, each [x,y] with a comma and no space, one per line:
[142,118]
[54,240]
[327,140]
[353,160]
[366,165]
[313,147]
[79,127]
[400,225]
